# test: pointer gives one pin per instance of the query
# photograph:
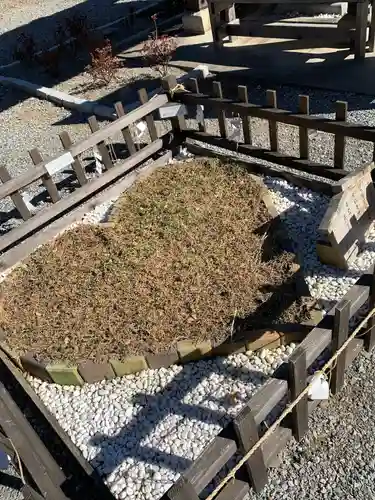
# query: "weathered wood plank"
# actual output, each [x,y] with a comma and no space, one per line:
[195,86]
[181,490]
[143,98]
[339,336]
[246,123]
[266,398]
[339,151]
[234,490]
[297,383]
[77,165]
[16,197]
[179,122]
[252,166]
[78,196]
[361,30]
[363,132]
[223,126]
[369,339]
[304,109]
[280,29]
[47,180]
[271,98]
[265,154]
[102,146]
[208,464]
[119,108]
[275,444]
[247,435]
[25,440]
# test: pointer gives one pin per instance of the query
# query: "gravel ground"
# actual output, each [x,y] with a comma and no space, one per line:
[141,431]
[10,484]
[336,459]
[41,18]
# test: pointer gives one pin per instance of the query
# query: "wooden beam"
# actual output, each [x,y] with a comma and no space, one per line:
[264,154]
[304,109]
[339,336]
[16,197]
[339,151]
[297,383]
[362,132]
[65,204]
[47,180]
[287,30]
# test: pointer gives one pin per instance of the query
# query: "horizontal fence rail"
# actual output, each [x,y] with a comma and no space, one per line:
[70,159]
[286,385]
[225,107]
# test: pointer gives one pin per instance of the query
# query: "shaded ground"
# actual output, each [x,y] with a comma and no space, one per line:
[184,259]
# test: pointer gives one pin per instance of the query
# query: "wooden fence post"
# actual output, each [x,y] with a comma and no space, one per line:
[195,88]
[102,147]
[77,165]
[246,123]
[369,340]
[16,197]
[119,108]
[341,116]
[271,97]
[247,435]
[304,108]
[223,126]
[339,336]
[361,29]
[297,368]
[182,490]
[168,84]
[47,180]
[143,97]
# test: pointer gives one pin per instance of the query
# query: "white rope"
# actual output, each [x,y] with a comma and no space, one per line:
[288,410]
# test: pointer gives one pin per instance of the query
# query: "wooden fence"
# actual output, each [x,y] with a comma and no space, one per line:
[287,383]
[114,169]
[351,29]
[338,126]
[48,463]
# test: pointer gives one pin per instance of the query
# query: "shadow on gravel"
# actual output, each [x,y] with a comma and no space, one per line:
[131,441]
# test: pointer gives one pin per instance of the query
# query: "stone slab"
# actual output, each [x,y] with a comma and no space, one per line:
[64,375]
[95,372]
[132,364]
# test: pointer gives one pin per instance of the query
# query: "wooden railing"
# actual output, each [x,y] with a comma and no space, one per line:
[286,384]
[338,126]
[45,169]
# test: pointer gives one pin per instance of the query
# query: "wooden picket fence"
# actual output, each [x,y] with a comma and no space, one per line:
[221,107]
[286,384]
[70,159]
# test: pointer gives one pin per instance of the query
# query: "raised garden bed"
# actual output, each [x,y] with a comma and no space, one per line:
[189,266]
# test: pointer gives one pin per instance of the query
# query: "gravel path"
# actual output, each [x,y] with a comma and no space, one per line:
[41,18]
[336,459]
[141,431]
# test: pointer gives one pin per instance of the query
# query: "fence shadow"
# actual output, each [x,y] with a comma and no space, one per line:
[132,442]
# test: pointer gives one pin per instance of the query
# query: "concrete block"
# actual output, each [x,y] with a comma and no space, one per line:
[35,368]
[132,364]
[64,375]
[196,23]
[95,372]
[188,351]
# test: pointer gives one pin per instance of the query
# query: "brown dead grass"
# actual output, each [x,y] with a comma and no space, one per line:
[181,260]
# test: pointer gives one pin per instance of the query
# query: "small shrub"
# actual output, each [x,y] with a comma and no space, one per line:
[159,50]
[104,65]
[158,53]
[25,49]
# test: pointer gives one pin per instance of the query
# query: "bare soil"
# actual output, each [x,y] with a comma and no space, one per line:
[185,259]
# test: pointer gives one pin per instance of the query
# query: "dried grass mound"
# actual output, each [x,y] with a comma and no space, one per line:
[181,259]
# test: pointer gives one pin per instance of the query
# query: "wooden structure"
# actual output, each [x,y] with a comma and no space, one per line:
[114,177]
[223,107]
[48,463]
[351,29]
[288,381]
[347,218]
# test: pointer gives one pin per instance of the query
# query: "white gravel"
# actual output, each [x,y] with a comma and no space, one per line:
[141,431]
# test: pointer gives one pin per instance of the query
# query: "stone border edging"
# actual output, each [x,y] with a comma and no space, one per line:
[185,352]
[85,106]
